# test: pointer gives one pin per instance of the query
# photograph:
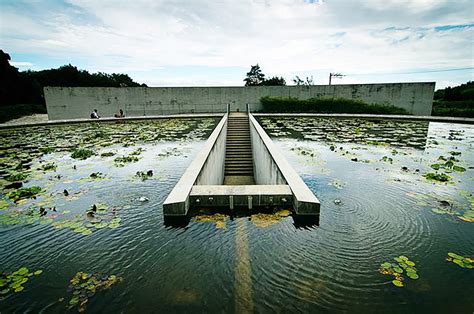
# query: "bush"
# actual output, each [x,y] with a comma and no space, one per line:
[16,111]
[463,108]
[326,105]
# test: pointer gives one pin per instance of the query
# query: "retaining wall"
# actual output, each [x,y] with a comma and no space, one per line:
[78,102]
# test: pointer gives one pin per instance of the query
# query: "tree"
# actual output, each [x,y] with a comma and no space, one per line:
[274,81]
[255,76]
[299,82]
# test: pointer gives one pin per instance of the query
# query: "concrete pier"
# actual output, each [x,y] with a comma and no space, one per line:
[239,166]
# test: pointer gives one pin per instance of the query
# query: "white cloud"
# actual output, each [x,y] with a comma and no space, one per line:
[284,36]
[21,64]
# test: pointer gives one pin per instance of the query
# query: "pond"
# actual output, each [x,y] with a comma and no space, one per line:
[86,230]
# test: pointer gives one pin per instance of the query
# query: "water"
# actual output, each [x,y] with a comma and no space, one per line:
[372,210]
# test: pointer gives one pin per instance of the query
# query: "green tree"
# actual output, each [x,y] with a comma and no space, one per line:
[255,76]
[299,82]
[274,81]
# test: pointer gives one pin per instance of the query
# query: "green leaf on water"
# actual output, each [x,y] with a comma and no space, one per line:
[38,272]
[398,269]
[459,168]
[455,256]
[412,275]
[410,263]
[19,289]
[386,265]
[397,283]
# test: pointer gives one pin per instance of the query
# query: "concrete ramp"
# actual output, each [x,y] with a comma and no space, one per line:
[239,166]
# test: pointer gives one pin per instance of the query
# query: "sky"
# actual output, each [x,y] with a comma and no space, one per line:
[214,42]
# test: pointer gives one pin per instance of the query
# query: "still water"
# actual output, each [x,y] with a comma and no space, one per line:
[377,203]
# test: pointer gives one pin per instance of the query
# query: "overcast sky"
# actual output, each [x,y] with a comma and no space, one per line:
[214,42]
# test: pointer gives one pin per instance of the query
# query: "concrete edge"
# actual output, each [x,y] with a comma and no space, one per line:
[305,202]
[109,120]
[244,190]
[177,202]
[371,116]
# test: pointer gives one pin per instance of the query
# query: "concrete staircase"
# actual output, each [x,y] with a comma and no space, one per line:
[238,159]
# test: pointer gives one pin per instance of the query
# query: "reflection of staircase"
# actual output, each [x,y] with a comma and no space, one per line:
[238,158]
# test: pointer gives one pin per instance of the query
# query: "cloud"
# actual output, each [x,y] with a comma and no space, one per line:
[284,36]
[21,64]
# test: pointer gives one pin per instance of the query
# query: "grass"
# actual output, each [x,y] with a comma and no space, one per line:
[11,112]
[326,105]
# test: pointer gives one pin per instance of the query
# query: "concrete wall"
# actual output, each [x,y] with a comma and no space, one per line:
[304,201]
[177,202]
[265,170]
[213,171]
[78,102]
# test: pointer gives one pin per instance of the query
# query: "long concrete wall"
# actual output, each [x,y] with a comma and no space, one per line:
[78,102]
[265,169]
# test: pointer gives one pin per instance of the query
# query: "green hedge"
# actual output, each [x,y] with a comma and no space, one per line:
[450,108]
[326,105]
[11,112]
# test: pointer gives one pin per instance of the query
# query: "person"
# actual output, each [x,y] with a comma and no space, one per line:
[94,114]
[120,114]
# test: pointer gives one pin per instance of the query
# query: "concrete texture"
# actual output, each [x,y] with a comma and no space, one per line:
[78,102]
[177,202]
[304,201]
[249,196]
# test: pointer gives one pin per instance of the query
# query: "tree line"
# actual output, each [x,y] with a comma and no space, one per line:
[27,87]
[255,77]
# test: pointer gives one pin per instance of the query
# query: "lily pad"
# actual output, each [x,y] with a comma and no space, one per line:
[397,283]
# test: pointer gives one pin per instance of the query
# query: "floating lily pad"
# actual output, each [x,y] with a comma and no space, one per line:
[13,282]
[24,193]
[82,153]
[85,286]
[397,283]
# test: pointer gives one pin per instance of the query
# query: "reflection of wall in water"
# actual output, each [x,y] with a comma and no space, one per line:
[78,102]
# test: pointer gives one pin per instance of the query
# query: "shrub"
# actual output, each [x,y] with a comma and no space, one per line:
[326,105]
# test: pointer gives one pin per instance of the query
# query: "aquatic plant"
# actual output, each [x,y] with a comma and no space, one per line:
[82,153]
[96,175]
[4,204]
[402,266]
[98,216]
[17,176]
[449,165]
[50,166]
[84,286]
[121,161]
[107,154]
[263,220]
[461,261]
[439,177]
[338,184]
[218,219]
[387,159]
[24,193]
[144,175]
[13,282]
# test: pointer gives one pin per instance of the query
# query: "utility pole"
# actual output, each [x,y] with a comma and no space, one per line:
[335,75]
